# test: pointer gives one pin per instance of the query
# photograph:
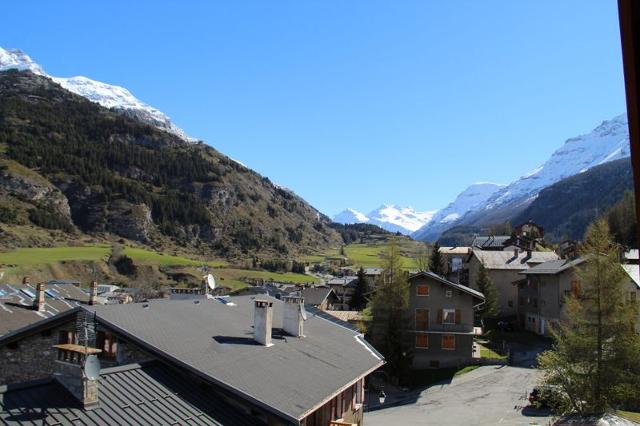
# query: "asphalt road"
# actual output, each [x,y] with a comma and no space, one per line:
[485,396]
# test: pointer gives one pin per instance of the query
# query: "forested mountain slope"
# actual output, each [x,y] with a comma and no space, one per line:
[71,167]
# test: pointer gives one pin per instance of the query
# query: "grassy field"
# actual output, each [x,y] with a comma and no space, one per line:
[370,255]
[629,415]
[40,256]
[490,354]
[49,255]
[147,257]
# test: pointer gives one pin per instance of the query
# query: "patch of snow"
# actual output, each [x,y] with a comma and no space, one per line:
[349,216]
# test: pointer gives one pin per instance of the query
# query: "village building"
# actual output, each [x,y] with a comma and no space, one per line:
[343,287]
[442,315]
[543,289]
[453,259]
[373,276]
[503,268]
[224,360]
[323,298]
[492,242]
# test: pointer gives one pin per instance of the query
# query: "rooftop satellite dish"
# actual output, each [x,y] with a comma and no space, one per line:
[211,282]
[92,367]
[303,312]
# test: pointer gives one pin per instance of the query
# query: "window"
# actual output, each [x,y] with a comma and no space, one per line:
[108,343]
[422,341]
[448,316]
[448,342]
[66,337]
[448,293]
[422,319]
[422,290]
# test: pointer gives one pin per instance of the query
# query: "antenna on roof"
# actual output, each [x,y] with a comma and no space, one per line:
[211,282]
[303,311]
[91,367]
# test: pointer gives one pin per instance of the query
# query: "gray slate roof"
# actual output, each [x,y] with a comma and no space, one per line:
[553,267]
[506,259]
[16,304]
[463,288]
[492,241]
[348,281]
[151,394]
[215,340]
[315,295]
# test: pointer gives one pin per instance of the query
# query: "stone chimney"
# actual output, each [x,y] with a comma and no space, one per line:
[292,321]
[38,302]
[93,293]
[263,321]
[69,371]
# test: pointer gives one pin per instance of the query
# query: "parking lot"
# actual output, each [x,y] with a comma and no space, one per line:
[488,395]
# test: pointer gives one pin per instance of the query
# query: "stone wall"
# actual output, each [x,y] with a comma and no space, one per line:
[30,358]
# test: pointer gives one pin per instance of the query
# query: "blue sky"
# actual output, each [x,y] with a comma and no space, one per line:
[350,103]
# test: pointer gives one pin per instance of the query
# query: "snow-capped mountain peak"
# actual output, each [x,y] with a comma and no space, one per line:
[607,142]
[472,198]
[17,59]
[350,216]
[389,217]
[107,95]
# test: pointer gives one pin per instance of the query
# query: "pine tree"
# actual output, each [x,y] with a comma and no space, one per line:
[389,308]
[594,360]
[484,284]
[436,263]
[358,300]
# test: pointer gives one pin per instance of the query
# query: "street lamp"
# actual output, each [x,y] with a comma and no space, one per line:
[382,396]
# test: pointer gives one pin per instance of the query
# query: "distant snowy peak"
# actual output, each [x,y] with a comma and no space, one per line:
[399,219]
[607,142]
[17,59]
[471,199]
[107,95]
[389,217]
[349,216]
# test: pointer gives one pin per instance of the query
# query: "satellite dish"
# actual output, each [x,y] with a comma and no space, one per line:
[303,312]
[92,367]
[211,282]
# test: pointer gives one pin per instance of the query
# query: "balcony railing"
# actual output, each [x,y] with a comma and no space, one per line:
[454,328]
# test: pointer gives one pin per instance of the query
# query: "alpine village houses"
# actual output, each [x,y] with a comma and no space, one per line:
[245,360]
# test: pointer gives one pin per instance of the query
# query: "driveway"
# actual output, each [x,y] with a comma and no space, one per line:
[488,395]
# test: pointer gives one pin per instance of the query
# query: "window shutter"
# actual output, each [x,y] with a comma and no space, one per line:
[458,316]
[440,316]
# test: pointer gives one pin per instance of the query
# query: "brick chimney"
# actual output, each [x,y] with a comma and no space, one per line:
[38,302]
[263,321]
[292,321]
[69,371]
[93,293]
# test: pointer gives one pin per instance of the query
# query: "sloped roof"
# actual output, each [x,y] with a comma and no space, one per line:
[346,315]
[348,281]
[491,241]
[150,394]
[506,259]
[463,288]
[16,304]
[215,340]
[634,273]
[373,271]
[316,295]
[553,267]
